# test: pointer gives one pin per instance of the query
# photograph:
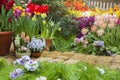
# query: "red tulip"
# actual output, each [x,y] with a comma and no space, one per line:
[37,8]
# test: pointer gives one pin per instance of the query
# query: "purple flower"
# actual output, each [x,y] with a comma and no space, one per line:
[118,21]
[92,19]
[25,58]
[99,43]
[19,62]
[16,73]
[82,25]
[79,35]
[22,60]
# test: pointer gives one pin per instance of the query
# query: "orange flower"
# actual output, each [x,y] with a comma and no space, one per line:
[27,39]
[93,28]
[84,31]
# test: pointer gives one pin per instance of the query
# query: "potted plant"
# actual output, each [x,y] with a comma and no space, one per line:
[47,29]
[5,26]
[36,47]
[20,44]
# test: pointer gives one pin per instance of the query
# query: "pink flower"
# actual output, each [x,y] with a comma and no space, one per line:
[100,32]
[111,25]
[27,39]
[77,40]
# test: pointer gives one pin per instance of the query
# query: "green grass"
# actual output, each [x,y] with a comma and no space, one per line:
[53,71]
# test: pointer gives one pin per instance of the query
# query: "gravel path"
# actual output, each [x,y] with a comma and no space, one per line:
[71,57]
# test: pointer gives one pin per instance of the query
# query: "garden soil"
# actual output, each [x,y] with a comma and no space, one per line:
[70,58]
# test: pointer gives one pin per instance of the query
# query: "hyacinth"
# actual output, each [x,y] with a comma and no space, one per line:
[77,40]
[79,35]
[16,73]
[118,22]
[85,21]
[31,65]
[99,43]
[36,45]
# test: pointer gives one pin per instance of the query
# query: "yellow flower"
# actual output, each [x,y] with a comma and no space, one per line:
[44,22]
[84,31]
[59,29]
[43,15]
[36,13]
[23,14]
[33,18]
[118,13]
[110,11]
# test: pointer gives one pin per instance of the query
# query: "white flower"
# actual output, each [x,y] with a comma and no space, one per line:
[36,45]
[31,65]
[41,78]
[101,70]
[59,79]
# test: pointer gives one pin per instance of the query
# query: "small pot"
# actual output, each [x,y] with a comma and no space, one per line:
[36,55]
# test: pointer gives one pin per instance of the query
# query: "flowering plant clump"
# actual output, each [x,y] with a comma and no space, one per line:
[22,60]
[16,73]
[41,78]
[36,45]
[101,70]
[21,43]
[31,65]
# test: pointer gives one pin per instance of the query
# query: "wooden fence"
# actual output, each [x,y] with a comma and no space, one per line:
[103,4]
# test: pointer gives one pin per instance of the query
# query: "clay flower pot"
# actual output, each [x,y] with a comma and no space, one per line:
[5,42]
[48,44]
[36,55]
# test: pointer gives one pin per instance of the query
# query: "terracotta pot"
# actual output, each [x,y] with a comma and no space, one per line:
[48,44]
[5,42]
[36,55]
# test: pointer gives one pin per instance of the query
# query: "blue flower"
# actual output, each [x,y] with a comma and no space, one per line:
[99,43]
[16,73]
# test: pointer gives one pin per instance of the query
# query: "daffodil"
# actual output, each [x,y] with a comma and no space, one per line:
[43,15]
[23,14]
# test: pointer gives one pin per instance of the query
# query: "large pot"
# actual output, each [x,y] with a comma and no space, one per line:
[5,42]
